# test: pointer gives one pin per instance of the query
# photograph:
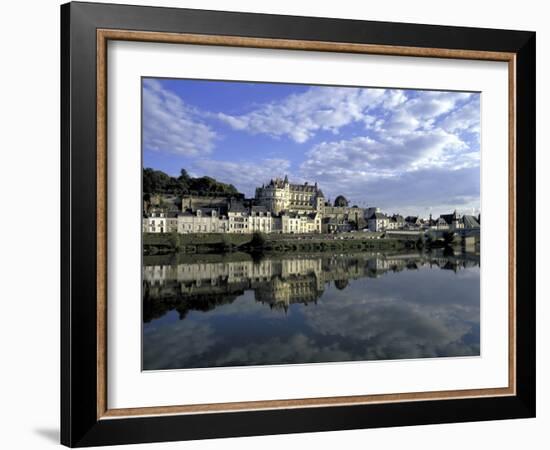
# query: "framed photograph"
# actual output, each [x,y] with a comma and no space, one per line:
[277,224]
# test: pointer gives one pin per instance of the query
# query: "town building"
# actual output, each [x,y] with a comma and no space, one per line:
[202,221]
[334,225]
[301,223]
[260,220]
[453,221]
[378,222]
[237,215]
[194,202]
[160,221]
[396,222]
[413,222]
[350,215]
[371,210]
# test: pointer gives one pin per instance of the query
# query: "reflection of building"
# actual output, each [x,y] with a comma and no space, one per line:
[277,282]
[280,293]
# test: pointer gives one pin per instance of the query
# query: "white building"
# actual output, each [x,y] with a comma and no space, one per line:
[396,222]
[237,216]
[160,221]
[202,221]
[378,222]
[260,219]
[301,223]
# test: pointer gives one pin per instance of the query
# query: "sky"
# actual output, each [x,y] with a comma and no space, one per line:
[405,151]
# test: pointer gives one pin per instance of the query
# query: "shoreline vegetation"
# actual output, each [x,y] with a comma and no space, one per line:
[171,259]
[206,243]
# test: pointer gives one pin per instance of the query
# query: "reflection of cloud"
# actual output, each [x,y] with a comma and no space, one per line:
[170,346]
[296,348]
[430,320]
[245,306]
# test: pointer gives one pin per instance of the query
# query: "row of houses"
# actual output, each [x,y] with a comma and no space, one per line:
[238,219]
[379,221]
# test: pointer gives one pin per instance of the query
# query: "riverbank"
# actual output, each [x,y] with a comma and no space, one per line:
[156,243]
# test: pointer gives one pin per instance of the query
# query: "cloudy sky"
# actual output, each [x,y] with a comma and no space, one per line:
[406,151]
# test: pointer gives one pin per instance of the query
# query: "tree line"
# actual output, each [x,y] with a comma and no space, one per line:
[158,182]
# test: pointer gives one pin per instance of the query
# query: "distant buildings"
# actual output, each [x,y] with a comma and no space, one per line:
[378,222]
[453,221]
[282,207]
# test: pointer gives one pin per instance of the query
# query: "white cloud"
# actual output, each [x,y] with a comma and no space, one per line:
[394,321]
[409,136]
[466,118]
[244,175]
[300,116]
[385,156]
[171,126]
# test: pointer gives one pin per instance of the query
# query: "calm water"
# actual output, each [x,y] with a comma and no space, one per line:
[237,310]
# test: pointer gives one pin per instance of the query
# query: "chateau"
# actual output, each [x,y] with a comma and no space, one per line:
[280,196]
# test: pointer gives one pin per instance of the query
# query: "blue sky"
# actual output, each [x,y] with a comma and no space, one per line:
[406,151]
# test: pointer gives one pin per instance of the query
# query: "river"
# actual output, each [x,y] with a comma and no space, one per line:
[241,310]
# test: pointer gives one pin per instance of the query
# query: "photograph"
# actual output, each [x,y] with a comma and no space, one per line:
[297,223]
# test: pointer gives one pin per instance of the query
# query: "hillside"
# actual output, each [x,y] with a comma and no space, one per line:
[158,182]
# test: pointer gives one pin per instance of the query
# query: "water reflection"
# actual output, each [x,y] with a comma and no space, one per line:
[214,310]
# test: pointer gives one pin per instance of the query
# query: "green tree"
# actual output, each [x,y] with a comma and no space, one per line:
[258,240]
[174,240]
[158,182]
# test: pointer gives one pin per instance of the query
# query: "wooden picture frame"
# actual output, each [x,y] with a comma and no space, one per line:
[86,418]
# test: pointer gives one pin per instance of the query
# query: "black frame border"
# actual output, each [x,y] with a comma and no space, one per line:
[79,424]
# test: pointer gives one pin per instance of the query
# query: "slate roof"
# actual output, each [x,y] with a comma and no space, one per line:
[237,207]
[378,215]
[449,218]
[470,221]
